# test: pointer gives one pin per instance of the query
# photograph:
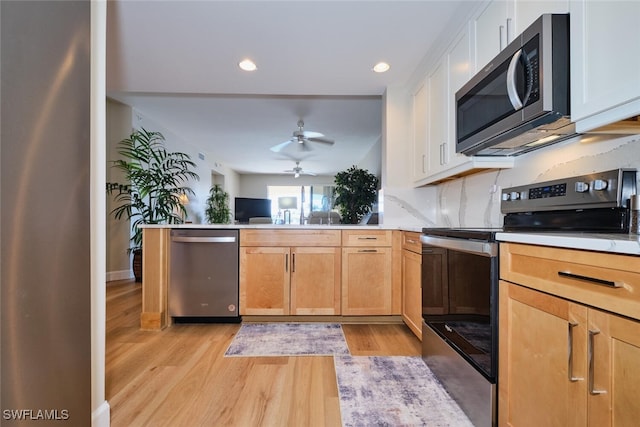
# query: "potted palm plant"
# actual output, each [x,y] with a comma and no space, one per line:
[357,191]
[154,185]
[217,210]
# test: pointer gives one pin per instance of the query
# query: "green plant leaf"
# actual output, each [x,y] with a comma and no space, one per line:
[154,181]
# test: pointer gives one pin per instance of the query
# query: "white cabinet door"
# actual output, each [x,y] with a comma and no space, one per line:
[438,117]
[605,61]
[460,71]
[527,11]
[493,32]
[420,132]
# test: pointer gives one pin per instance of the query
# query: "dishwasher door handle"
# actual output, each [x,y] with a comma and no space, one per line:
[182,239]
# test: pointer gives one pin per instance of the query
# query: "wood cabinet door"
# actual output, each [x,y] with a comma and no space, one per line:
[613,370]
[435,293]
[542,366]
[264,280]
[366,281]
[315,281]
[412,291]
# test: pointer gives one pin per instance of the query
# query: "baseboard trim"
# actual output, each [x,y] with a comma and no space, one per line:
[101,417]
[119,275]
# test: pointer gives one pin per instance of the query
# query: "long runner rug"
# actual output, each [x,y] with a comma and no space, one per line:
[288,339]
[393,391]
[374,390]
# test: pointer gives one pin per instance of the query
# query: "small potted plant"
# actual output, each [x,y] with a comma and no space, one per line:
[217,210]
[153,186]
[357,191]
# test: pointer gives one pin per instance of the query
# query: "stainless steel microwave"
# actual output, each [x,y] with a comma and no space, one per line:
[520,101]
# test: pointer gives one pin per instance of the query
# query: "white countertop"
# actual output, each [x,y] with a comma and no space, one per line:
[285,226]
[615,243]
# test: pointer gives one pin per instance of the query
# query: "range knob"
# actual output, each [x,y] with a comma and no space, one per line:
[599,184]
[506,197]
[582,187]
[515,195]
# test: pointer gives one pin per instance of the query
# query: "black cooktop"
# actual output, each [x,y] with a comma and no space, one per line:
[483,234]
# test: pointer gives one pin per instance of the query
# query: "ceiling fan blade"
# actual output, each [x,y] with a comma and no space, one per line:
[304,146]
[322,140]
[309,173]
[279,147]
[309,134]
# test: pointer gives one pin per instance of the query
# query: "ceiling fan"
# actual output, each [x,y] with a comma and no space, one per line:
[297,171]
[303,138]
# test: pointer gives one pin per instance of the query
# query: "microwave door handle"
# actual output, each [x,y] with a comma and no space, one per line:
[511,81]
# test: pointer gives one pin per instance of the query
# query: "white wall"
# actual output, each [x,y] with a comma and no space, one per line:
[118,118]
[372,161]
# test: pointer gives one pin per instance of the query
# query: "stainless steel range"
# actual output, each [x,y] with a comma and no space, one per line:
[460,273]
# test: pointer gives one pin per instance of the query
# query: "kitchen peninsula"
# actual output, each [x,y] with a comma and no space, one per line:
[310,270]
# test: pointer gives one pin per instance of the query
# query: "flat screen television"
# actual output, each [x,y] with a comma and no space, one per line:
[246,208]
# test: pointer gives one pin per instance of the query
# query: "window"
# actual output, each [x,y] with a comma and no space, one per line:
[305,198]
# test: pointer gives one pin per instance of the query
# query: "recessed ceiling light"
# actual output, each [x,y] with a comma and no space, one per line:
[381,67]
[247,65]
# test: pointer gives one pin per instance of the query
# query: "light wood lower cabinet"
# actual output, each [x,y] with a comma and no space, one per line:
[264,281]
[564,362]
[367,266]
[315,281]
[412,282]
[321,272]
[290,272]
[289,281]
[366,281]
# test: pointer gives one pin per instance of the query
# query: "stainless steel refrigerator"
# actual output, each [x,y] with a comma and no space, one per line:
[45,213]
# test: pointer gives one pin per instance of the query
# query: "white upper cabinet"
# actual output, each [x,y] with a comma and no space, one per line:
[503,20]
[419,112]
[605,62]
[493,30]
[460,71]
[447,75]
[528,11]
[437,117]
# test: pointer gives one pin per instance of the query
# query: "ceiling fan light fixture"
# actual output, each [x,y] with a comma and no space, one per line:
[381,67]
[247,65]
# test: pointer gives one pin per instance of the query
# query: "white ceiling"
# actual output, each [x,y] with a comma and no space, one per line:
[176,63]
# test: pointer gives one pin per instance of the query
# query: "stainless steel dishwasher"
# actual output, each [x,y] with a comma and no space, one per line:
[203,278]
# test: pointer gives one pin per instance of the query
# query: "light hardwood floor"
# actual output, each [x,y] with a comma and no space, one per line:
[179,377]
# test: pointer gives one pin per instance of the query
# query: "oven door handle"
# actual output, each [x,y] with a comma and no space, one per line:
[488,249]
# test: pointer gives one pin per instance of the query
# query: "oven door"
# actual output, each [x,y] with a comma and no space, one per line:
[460,291]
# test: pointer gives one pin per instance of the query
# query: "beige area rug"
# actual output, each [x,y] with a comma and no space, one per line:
[288,339]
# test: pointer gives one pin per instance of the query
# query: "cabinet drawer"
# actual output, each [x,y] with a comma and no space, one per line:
[607,281]
[275,237]
[411,241]
[366,237]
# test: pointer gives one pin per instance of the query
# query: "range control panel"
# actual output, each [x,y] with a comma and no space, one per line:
[598,190]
